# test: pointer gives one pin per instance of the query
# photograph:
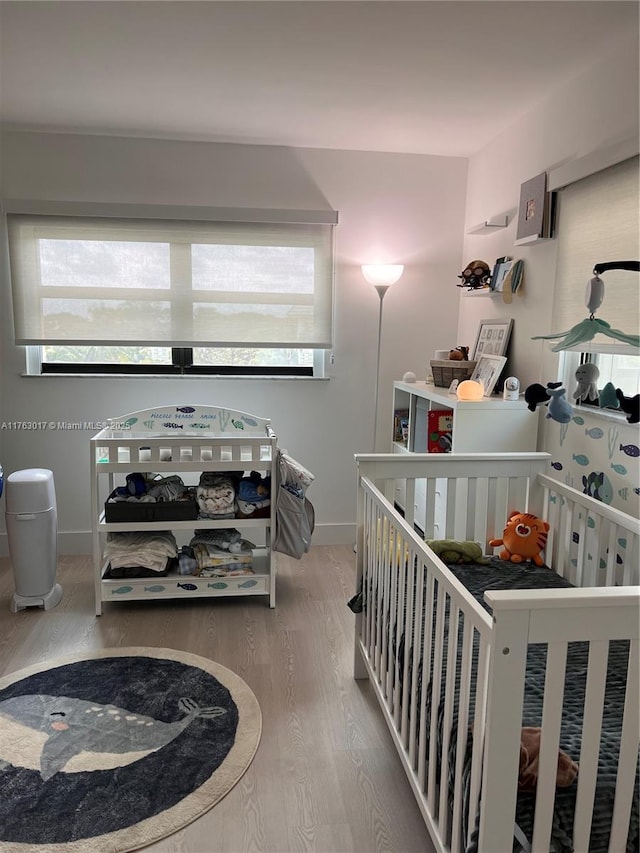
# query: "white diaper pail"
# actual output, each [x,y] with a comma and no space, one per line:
[32,532]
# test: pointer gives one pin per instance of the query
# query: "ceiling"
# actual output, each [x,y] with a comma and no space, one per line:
[384,75]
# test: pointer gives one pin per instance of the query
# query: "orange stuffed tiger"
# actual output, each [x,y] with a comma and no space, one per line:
[524,537]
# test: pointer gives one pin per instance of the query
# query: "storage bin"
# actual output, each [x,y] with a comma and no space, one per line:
[133,511]
[444,372]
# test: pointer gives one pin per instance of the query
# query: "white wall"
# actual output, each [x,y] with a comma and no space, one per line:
[589,112]
[405,208]
[585,114]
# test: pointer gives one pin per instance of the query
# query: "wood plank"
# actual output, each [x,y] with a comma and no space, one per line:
[326,777]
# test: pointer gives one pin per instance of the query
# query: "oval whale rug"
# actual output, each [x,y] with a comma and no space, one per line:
[113,750]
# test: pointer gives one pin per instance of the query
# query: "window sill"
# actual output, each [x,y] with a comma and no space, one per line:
[168,376]
[603,414]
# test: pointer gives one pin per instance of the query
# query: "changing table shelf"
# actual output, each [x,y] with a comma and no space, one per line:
[182,440]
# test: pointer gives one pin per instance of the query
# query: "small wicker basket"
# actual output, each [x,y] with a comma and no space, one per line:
[444,372]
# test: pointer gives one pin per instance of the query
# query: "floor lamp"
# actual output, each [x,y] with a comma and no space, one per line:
[381,276]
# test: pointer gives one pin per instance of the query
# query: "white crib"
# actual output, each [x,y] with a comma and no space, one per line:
[427,643]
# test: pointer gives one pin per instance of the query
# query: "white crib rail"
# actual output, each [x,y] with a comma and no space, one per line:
[479,681]
[590,543]
[408,592]
[557,617]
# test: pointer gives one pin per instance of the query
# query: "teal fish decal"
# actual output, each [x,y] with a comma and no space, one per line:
[75,726]
[129,423]
[249,421]
[218,585]
[594,432]
[590,522]
[190,586]
[237,424]
[580,458]
[619,469]
[247,584]
[622,542]
[578,419]
[121,590]
[155,588]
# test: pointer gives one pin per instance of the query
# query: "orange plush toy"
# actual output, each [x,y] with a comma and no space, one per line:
[524,537]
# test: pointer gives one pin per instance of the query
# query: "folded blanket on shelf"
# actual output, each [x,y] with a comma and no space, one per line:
[214,562]
[137,548]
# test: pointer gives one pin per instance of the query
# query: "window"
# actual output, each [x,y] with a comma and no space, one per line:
[598,223]
[188,295]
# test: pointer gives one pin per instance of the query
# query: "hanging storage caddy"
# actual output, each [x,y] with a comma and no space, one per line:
[295,515]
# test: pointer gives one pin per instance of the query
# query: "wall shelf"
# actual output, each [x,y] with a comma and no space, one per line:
[489,225]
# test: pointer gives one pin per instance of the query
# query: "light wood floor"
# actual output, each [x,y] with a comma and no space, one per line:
[326,776]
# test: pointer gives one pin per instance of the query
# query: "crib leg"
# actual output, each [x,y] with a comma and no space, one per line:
[359,668]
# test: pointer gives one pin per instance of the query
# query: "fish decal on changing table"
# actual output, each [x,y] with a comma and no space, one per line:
[237,424]
[187,410]
[155,588]
[200,426]
[189,586]
[121,590]
[170,425]
[78,732]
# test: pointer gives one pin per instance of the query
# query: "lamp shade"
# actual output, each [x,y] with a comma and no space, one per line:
[382,273]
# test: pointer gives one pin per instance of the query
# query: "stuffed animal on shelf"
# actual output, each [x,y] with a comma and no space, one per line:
[630,406]
[458,551]
[475,275]
[524,537]
[459,354]
[587,378]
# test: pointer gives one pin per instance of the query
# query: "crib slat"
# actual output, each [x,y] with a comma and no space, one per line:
[628,754]
[478,733]
[400,622]
[426,675]
[435,697]
[590,750]
[417,649]
[450,530]
[406,667]
[461,736]
[611,556]
[548,762]
[454,614]
[580,580]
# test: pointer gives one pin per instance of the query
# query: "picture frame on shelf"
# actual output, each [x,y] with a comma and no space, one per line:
[487,370]
[493,337]
[499,273]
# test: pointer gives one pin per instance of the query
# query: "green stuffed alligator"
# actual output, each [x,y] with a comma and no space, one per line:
[458,551]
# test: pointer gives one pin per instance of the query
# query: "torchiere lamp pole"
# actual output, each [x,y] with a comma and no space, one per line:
[381,276]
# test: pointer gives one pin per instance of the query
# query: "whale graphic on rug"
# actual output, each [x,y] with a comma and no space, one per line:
[74,727]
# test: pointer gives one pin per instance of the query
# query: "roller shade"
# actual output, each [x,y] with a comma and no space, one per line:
[598,222]
[84,280]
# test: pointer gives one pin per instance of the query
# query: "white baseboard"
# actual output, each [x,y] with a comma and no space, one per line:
[71,542]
